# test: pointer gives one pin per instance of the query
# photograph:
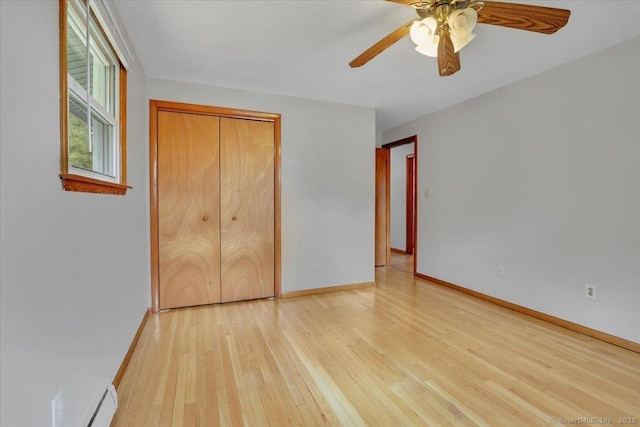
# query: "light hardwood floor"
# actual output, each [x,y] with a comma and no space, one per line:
[405,352]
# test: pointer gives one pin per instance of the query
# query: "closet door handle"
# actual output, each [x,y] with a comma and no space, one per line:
[205,218]
[234,218]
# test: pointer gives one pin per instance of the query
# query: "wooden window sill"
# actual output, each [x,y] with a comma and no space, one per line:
[71,182]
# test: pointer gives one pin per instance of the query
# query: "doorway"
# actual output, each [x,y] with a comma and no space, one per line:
[396,203]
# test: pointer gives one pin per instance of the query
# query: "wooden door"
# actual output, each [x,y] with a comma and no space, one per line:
[247,150]
[188,209]
[382,241]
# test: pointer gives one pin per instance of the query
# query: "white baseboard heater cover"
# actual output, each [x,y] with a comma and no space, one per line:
[106,408]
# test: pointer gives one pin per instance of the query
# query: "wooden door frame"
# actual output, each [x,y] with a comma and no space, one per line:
[409,140]
[410,202]
[382,202]
[155,106]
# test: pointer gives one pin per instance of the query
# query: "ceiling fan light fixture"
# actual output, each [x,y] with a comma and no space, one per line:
[423,32]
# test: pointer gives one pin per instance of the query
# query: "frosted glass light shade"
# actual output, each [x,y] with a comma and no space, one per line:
[460,42]
[462,22]
[423,32]
[429,49]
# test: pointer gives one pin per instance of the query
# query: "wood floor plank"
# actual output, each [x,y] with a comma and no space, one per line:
[405,352]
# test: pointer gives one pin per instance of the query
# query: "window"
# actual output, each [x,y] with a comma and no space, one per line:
[92,102]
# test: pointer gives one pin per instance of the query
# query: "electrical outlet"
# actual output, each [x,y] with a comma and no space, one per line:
[590,291]
[57,410]
[500,270]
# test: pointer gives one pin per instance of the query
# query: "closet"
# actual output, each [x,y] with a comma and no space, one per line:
[214,204]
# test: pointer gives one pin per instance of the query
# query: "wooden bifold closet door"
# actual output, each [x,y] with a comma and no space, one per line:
[246,209]
[215,204]
[188,209]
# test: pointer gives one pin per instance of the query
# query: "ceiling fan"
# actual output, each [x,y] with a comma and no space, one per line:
[446,26]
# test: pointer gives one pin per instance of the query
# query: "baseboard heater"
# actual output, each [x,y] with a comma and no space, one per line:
[106,408]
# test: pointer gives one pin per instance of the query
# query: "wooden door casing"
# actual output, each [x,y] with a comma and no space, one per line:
[188,209]
[382,207]
[410,203]
[247,152]
[409,140]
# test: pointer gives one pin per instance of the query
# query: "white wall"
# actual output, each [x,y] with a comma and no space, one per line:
[69,309]
[327,186]
[543,177]
[74,266]
[399,195]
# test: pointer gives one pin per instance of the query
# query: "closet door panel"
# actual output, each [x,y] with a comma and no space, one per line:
[188,209]
[246,209]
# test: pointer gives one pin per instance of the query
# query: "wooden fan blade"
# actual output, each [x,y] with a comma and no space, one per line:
[377,48]
[540,19]
[448,60]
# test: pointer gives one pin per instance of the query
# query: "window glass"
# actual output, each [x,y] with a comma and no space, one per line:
[76,52]
[79,154]
[93,102]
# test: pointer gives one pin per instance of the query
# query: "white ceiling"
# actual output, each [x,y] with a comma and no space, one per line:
[302,48]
